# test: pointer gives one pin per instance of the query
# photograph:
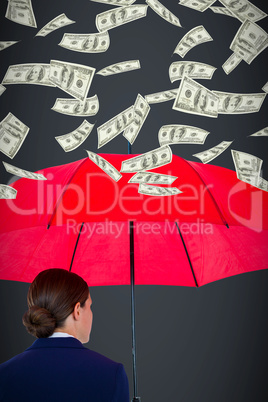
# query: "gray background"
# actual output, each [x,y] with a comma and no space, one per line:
[193,344]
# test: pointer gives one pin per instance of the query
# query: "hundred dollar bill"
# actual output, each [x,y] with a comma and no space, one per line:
[114,126]
[12,135]
[86,43]
[73,140]
[157,191]
[116,2]
[163,96]
[194,37]
[150,160]
[247,166]
[5,44]
[2,89]
[21,12]
[249,41]
[163,12]
[261,133]
[221,10]
[7,192]
[231,63]
[180,134]
[75,79]
[198,5]
[244,10]
[192,69]
[232,103]
[265,87]
[106,166]
[121,67]
[212,153]
[262,184]
[33,73]
[74,107]
[58,22]
[119,16]
[193,98]
[141,110]
[23,173]
[152,178]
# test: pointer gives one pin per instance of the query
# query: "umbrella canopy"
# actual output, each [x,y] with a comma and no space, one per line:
[79,218]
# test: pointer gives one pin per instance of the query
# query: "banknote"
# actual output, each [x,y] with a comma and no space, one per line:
[181,134]
[244,10]
[12,135]
[198,5]
[163,96]
[265,87]
[231,63]
[75,79]
[23,173]
[150,160]
[21,12]
[7,192]
[152,178]
[74,107]
[262,184]
[114,126]
[5,44]
[232,103]
[73,140]
[247,166]
[157,191]
[212,153]
[119,16]
[116,2]
[221,10]
[106,166]
[121,67]
[60,21]
[192,38]
[192,69]
[249,41]
[32,73]
[193,98]
[86,43]
[163,12]
[141,110]
[2,89]
[261,133]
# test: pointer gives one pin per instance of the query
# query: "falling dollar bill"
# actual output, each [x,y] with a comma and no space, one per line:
[113,127]
[221,10]
[86,43]
[119,16]
[21,12]
[181,134]
[261,133]
[249,41]
[5,44]
[23,173]
[192,69]
[231,63]
[163,12]
[106,166]
[194,37]
[157,191]
[265,87]
[12,135]
[141,110]
[198,5]
[150,160]
[116,2]
[152,178]
[212,153]
[262,184]
[247,166]
[244,10]
[75,79]
[122,67]
[32,73]
[2,89]
[58,22]
[163,96]
[7,192]
[73,140]
[232,103]
[193,98]
[74,107]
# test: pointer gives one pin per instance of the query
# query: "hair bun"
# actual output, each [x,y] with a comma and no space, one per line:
[39,322]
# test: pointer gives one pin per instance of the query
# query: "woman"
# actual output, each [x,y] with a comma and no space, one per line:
[57,367]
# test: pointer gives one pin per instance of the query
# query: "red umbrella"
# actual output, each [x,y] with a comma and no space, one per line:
[82,220]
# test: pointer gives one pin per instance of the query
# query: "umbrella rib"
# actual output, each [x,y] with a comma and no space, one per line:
[75,247]
[186,251]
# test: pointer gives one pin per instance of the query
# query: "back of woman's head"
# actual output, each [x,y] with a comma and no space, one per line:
[51,298]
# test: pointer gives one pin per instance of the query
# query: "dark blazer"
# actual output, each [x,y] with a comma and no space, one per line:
[61,370]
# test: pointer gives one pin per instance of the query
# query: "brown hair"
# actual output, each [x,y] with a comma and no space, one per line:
[51,298]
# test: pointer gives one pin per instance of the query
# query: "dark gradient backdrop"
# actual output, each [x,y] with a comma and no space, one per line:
[207,344]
